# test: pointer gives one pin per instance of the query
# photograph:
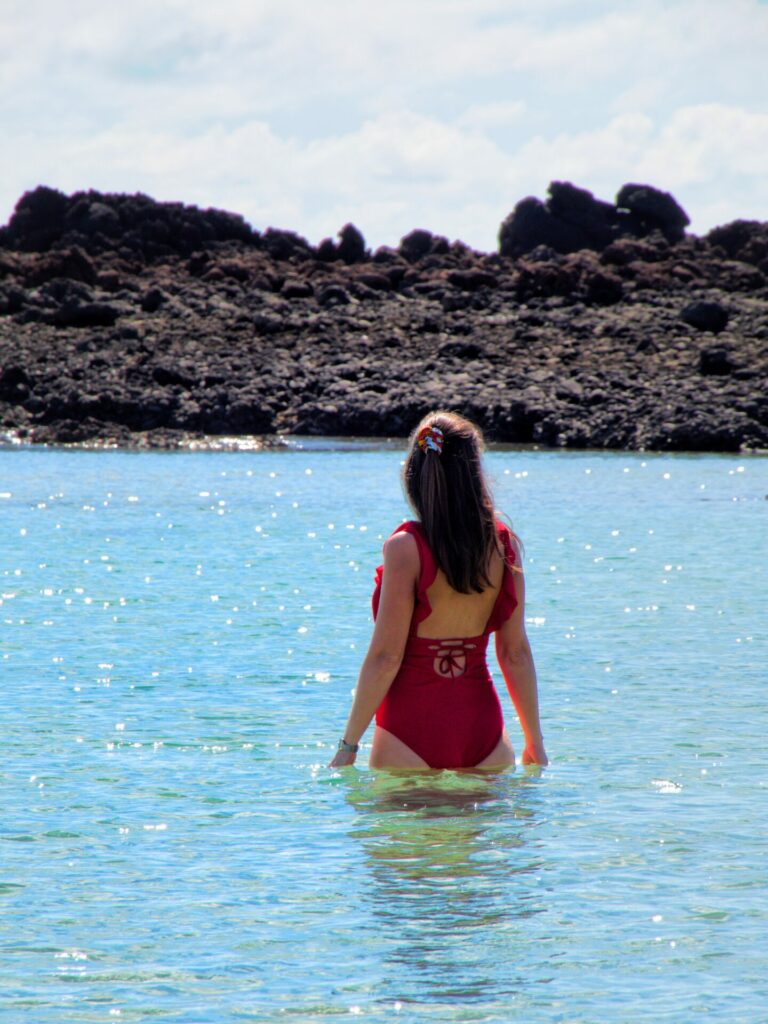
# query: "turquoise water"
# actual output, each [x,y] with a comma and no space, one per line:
[180,634]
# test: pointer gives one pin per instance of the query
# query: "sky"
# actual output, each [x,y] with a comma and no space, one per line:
[391,114]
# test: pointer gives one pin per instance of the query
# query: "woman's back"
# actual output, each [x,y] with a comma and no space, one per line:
[461,615]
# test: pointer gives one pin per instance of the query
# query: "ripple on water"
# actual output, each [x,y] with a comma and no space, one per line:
[181,634]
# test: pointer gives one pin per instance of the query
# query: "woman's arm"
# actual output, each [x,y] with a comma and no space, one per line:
[385,653]
[516,663]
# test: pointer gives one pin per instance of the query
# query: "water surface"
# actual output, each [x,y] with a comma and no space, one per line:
[180,634]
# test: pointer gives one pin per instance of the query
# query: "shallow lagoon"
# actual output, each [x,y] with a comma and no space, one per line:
[180,634]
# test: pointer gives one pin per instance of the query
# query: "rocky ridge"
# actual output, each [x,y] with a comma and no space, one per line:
[124,320]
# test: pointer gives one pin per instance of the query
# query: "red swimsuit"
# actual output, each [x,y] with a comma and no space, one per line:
[443,703]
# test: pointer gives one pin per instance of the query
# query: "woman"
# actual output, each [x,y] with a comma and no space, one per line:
[448,581]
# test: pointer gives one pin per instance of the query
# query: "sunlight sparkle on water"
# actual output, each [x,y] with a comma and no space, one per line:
[165,768]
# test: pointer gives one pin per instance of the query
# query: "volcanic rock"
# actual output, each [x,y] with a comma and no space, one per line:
[716,361]
[285,245]
[126,321]
[45,218]
[85,314]
[653,209]
[572,219]
[419,243]
[333,295]
[295,288]
[351,247]
[744,240]
[706,316]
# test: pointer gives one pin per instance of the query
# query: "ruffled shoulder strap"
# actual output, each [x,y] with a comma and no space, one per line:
[427,572]
[506,602]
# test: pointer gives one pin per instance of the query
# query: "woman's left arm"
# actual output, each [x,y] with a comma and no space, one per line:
[385,653]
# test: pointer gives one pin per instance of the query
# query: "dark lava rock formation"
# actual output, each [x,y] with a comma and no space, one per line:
[124,320]
[572,219]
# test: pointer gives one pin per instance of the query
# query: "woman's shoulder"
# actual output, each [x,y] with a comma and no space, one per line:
[411,537]
[401,549]
[407,537]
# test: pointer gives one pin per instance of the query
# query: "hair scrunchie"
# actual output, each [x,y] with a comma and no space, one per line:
[430,439]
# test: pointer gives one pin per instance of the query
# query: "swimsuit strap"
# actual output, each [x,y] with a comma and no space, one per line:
[506,600]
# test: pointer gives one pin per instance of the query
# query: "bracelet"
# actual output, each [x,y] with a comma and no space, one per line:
[348,748]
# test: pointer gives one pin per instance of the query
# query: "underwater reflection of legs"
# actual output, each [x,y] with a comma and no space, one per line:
[453,870]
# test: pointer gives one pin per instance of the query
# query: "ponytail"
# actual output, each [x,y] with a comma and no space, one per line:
[446,486]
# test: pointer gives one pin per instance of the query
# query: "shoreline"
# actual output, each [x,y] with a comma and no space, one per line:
[301,443]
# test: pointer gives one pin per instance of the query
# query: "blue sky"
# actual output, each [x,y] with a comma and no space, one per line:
[394,115]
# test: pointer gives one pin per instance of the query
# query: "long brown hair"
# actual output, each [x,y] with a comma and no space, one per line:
[449,493]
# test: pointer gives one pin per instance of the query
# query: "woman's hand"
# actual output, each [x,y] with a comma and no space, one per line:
[342,758]
[535,753]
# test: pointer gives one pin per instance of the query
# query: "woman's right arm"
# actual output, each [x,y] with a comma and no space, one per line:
[390,634]
[515,658]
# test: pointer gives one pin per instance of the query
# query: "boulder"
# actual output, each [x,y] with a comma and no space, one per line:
[12,300]
[15,383]
[296,288]
[10,265]
[351,247]
[542,280]
[285,245]
[745,240]
[238,270]
[108,280]
[198,263]
[416,244]
[327,251]
[579,209]
[37,220]
[87,314]
[167,375]
[603,289]
[653,209]
[716,361]
[471,280]
[572,219]
[626,250]
[705,316]
[333,295]
[72,263]
[531,224]
[62,290]
[460,350]
[152,300]
[379,282]
[93,216]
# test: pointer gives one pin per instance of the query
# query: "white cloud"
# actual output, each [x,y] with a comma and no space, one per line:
[485,116]
[704,142]
[599,155]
